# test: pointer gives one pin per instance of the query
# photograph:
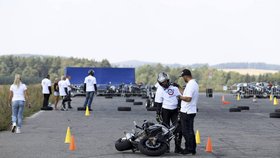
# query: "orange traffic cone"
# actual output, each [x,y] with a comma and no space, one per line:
[72,146]
[226,102]
[209,146]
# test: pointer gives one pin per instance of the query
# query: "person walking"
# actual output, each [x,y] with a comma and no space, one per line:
[90,88]
[63,92]
[69,88]
[56,93]
[167,102]
[18,97]
[188,111]
[46,90]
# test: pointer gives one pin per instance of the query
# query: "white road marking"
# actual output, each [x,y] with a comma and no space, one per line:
[35,115]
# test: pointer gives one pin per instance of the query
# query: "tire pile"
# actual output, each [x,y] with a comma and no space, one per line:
[128,108]
[239,108]
[275,114]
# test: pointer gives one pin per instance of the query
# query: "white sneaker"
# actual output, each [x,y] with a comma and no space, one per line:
[13,129]
[18,130]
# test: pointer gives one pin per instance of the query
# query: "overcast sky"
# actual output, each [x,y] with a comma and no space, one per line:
[166,31]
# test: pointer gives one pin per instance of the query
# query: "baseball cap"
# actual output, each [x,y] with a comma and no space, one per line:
[185,72]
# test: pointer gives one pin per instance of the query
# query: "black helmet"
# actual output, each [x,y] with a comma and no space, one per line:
[162,77]
[91,72]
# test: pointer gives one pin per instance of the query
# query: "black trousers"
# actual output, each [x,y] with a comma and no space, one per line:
[187,124]
[172,115]
[46,100]
[64,100]
[69,102]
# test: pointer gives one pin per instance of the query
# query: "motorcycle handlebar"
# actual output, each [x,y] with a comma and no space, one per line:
[138,127]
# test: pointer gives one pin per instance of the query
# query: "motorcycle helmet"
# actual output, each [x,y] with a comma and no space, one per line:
[163,80]
[91,72]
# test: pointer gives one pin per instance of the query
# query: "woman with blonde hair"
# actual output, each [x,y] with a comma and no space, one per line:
[18,97]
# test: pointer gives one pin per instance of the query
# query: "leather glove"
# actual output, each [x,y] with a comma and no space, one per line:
[175,85]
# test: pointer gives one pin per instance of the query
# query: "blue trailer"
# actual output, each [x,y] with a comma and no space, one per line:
[104,76]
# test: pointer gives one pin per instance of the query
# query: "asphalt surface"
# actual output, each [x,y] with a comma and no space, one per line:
[241,134]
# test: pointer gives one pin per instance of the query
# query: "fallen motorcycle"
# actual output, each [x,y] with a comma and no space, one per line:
[151,139]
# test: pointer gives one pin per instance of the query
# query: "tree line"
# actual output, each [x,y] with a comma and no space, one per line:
[206,76]
[34,68]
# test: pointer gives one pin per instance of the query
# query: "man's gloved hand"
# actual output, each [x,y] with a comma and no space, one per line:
[175,84]
[158,118]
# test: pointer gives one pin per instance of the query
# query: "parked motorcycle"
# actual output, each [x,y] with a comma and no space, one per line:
[152,139]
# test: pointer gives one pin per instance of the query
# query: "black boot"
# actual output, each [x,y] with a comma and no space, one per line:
[178,150]
[178,141]
[186,152]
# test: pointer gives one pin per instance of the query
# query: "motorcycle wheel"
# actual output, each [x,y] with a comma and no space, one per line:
[265,95]
[122,145]
[147,148]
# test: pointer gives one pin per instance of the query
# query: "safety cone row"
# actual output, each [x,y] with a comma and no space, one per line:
[87,112]
[72,146]
[224,102]
[197,137]
[68,136]
[275,101]
[70,139]
[209,147]
[271,97]
[238,97]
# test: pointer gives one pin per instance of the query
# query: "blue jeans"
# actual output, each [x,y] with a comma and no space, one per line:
[17,112]
[89,98]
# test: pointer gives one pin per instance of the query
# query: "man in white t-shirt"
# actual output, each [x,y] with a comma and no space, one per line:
[46,90]
[90,88]
[63,91]
[166,102]
[188,111]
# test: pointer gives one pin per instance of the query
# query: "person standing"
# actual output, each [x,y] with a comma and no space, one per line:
[56,93]
[69,88]
[166,102]
[17,98]
[63,92]
[188,111]
[46,90]
[90,88]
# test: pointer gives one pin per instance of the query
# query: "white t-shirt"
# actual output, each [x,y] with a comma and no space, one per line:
[68,84]
[18,92]
[168,97]
[191,90]
[46,83]
[90,81]
[62,85]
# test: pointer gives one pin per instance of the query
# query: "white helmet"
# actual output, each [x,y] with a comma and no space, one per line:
[162,77]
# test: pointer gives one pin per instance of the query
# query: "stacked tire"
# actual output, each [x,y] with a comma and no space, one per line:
[275,114]
[239,109]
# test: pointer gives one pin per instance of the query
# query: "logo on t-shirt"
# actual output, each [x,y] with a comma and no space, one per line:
[170,91]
